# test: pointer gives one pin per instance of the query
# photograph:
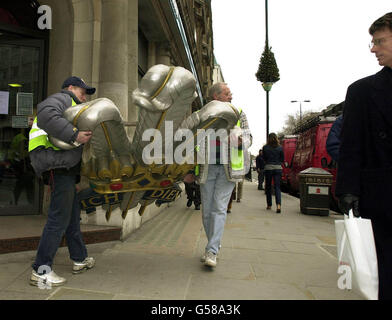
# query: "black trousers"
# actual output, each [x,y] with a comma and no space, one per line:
[261,178]
[193,192]
[382,229]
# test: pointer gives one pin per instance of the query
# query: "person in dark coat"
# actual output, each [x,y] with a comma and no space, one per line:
[193,194]
[364,180]
[260,169]
[274,157]
[333,140]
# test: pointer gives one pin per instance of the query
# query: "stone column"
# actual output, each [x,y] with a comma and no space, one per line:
[151,54]
[83,40]
[60,44]
[113,75]
[97,23]
[163,54]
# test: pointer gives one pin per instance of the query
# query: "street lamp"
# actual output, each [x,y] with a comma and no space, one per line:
[268,72]
[300,107]
[267,85]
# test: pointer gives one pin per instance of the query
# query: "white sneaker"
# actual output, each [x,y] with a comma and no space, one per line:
[210,259]
[203,257]
[47,280]
[86,264]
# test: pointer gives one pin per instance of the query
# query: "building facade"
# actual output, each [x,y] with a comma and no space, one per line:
[110,44]
[217,75]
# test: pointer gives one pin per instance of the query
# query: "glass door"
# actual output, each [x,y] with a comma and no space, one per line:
[21,88]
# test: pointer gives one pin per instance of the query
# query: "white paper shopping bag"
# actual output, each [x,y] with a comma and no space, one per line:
[356,249]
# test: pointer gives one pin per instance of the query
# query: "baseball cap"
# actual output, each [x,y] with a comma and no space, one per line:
[78,82]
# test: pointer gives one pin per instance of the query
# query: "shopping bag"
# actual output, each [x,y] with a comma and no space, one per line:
[357,253]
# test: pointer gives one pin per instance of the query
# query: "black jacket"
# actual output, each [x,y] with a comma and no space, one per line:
[260,162]
[50,118]
[365,159]
[333,140]
[273,155]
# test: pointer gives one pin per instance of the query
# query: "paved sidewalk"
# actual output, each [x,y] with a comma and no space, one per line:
[264,256]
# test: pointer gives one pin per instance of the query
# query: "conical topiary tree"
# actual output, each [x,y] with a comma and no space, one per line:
[268,71]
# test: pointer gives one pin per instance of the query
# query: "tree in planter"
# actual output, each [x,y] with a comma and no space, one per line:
[268,71]
[267,74]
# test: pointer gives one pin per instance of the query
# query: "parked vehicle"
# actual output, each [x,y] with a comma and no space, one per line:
[311,152]
[288,143]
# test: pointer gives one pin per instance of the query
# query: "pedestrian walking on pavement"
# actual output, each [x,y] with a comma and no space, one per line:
[239,186]
[217,179]
[365,162]
[333,140]
[273,157]
[193,194]
[230,205]
[61,170]
[192,188]
[248,176]
[260,169]
[235,195]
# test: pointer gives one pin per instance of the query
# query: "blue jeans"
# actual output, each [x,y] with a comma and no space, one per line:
[215,196]
[276,175]
[63,218]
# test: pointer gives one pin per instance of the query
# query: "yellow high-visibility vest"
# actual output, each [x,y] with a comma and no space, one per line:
[197,170]
[237,155]
[38,137]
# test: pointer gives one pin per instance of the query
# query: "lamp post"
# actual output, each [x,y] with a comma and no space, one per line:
[268,85]
[268,72]
[266,22]
[300,107]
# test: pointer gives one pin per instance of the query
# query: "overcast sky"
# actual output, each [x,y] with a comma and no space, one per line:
[320,47]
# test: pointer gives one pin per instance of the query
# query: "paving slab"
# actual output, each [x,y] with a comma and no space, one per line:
[9,272]
[289,259]
[64,293]
[21,285]
[307,248]
[246,255]
[127,297]
[205,287]
[17,295]
[246,243]
[322,293]
[150,275]
[297,274]
[266,235]
[229,269]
